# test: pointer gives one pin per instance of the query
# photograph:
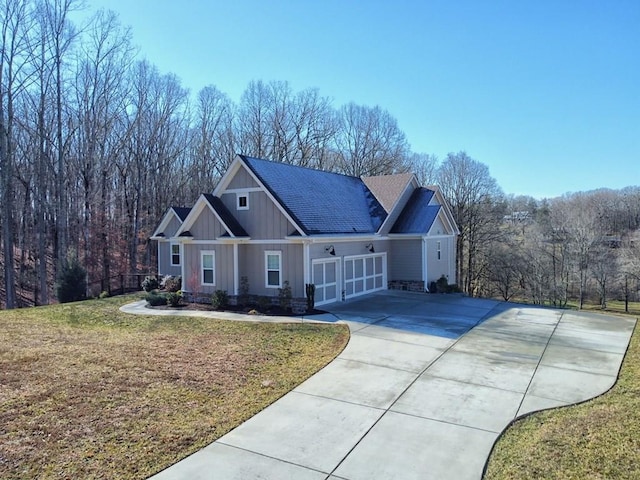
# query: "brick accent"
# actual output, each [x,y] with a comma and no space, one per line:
[408,285]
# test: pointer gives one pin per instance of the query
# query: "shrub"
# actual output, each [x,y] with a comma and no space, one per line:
[150,283]
[104,295]
[172,284]
[433,287]
[310,290]
[174,298]
[263,303]
[243,297]
[156,299]
[284,296]
[442,284]
[71,284]
[220,299]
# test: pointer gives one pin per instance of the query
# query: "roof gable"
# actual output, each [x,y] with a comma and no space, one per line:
[228,221]
[179,213]
[418,215]
[320,202]
[388,188]
[222,214]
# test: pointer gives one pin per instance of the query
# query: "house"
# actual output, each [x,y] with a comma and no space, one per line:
[268,222]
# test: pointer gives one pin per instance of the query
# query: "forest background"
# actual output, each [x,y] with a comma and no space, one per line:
[95,144]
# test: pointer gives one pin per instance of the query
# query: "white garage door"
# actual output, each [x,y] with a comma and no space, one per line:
[364,274]
[326,277]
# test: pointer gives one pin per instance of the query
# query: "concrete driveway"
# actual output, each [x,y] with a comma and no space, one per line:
[423,390]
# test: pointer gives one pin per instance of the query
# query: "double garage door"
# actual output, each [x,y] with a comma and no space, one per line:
[361,274]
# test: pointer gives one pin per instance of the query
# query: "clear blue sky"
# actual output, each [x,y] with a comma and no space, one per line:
[545,93]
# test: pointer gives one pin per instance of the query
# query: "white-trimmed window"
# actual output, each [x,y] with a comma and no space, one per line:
[175,254]
[273,269]
[208,267]
[439,250]
[242,201]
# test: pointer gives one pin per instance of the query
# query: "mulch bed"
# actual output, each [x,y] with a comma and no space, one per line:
[274,311]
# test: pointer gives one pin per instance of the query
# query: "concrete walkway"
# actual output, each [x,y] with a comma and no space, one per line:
[423,390]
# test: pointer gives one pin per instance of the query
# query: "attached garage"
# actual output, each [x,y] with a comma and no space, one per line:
[326,277]
[365,274]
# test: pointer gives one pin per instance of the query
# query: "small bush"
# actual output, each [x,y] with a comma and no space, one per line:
[172,284]
[72,281]
[284,296]
[174,298]
[453,288]
[150,283]
[220,299]
[104,295]
[442,285]
[156,299]
[433,287]
[263,303]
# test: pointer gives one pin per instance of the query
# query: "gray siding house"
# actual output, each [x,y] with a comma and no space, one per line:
[269,222]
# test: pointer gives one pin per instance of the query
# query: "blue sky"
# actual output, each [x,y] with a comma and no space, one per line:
[545,93]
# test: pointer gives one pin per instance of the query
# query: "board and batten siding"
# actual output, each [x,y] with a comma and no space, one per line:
[172,228]
[223,268]
[405,260]
[262,220]
[443,266]
[207,226]
[242,179]
[438,228]
[347,249]
[164,260]
[252,265]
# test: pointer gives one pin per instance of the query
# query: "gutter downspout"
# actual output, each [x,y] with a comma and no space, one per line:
[424,264]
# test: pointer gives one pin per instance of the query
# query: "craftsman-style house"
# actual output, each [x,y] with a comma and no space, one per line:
[268,222]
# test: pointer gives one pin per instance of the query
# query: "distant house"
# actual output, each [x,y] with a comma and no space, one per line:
[268,222]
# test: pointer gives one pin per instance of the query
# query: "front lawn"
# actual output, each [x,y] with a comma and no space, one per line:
[599,439]
[89,392]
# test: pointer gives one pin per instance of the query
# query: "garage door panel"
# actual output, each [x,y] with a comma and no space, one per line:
[364,274]
[325,276]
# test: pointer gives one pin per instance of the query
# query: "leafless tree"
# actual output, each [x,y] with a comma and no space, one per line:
[475,199]
[369,142]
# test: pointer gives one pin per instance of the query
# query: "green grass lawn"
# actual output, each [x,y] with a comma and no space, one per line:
[89,392]
[598,439]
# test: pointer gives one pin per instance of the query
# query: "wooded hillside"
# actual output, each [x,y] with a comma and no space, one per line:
[95,144]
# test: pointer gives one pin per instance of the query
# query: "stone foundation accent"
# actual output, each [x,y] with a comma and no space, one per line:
[298,305]
[407,285]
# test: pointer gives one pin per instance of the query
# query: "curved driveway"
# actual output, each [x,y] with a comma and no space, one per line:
[422,390]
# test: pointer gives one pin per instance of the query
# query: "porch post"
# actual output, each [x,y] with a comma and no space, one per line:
[236,273]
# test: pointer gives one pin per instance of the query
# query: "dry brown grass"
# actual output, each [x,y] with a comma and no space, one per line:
[599,439]
[89,392]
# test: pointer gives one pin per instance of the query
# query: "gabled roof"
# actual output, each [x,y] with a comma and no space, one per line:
[388,188]
[418,215]
[320,202]
[206,200]
[180,213]
[228,220]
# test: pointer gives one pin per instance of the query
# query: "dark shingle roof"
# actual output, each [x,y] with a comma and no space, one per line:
[418,215]
[181,212]
[320,202]
[224,213]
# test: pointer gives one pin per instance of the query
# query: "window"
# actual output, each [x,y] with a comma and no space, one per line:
[242,201]
[175,254]
[273,269]
[439,250]
[208,275]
